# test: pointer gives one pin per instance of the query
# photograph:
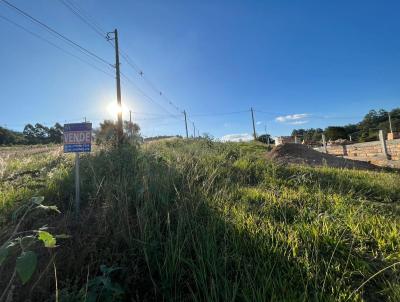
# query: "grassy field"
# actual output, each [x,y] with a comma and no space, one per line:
[198,221]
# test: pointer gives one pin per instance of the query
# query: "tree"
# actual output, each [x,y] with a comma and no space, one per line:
[9,137]
[335,132]
[41,133]
[266,138]
[131,129]
[365,130]
[309,134]
[55,133]
[30,134]
[107,132]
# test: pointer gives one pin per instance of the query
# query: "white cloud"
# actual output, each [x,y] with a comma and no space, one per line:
[291,117]
[243,137]
[299,122]
[259,123]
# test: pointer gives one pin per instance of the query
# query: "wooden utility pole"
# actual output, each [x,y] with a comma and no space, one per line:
[120,131]
[390,123]
[383,144]
[77,185]
[266,134]
[130,123]
[187,133]
[194,130]
[324,143]
[254,126]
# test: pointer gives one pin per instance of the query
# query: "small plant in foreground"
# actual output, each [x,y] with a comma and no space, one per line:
[105,287]
[21,242]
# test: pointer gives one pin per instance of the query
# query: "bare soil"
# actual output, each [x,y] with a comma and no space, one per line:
[301,154]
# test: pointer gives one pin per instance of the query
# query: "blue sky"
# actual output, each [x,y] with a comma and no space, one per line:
[297,63]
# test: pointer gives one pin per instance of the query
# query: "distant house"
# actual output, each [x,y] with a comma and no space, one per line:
[280,140]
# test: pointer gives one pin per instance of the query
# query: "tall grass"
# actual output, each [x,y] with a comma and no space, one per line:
[197,220]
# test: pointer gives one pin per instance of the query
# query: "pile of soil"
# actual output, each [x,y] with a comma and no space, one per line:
[301,154]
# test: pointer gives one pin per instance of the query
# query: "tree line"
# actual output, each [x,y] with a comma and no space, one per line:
[364,131]
[40,134]
[32,135]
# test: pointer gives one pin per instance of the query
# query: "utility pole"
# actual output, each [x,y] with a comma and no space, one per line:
[390,123]
[187,133]
[266,134]
[254,127]
[120,131]
[130,123]
[194,130]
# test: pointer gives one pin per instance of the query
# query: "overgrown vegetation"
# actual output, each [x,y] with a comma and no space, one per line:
[203,221]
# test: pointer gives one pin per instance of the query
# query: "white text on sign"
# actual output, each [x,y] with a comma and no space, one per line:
[79,137]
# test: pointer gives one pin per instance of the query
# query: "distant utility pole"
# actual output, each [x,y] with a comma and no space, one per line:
[119,123]
[130,123]
[194,130]
[254,126]
[266,134]
[187,133]
[390,123]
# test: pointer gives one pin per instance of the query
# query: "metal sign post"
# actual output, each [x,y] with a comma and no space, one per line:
[77,138]
[77,182]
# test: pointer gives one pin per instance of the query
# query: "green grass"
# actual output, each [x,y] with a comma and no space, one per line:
[204,221]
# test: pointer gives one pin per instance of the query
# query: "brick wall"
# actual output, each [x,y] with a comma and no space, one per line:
[370,151]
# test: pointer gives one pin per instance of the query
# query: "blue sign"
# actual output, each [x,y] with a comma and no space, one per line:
[78,137]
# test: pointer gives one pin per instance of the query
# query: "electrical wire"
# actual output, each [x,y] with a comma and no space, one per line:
[76,12]
[146,95]
[56,33]
[54,45]
[86,16]
[219,113]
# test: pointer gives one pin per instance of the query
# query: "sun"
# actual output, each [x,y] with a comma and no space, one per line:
[113,108]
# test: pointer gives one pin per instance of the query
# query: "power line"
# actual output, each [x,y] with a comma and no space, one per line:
[53,31]
[146,95]
[219,113]
[76,12]
[150,83]
[309,115]
[75,9]
[87,16]
[54,45]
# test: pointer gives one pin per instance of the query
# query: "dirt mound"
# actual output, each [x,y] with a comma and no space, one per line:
[301,154]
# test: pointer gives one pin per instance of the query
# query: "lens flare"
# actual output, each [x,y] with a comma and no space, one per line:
[113,108]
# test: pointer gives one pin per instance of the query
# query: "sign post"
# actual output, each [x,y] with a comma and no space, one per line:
[77,138]
[77,182]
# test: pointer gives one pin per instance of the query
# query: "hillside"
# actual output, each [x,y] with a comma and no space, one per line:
[364,131]
[188,220]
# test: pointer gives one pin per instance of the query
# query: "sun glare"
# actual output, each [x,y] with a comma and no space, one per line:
[113,109]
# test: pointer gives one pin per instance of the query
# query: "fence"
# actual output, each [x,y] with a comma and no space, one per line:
[370,151]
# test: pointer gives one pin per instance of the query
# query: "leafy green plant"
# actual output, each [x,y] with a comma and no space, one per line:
[105,288]
[22,242]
